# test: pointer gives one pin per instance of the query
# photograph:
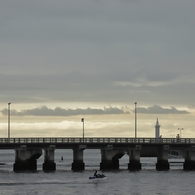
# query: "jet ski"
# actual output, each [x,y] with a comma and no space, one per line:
[99,176]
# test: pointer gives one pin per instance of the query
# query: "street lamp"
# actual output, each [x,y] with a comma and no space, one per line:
[180,131]
[9,103]
[82,120]
[135,120]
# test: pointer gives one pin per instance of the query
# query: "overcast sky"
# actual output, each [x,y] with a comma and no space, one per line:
[76,56]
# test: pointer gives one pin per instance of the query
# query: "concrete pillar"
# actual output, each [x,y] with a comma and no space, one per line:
[134,158]
[110,158]
[162,158]
[78,164]
[189,155]
[26,158]
[49,160]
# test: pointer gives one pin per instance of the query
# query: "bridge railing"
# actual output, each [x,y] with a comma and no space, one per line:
[99,140]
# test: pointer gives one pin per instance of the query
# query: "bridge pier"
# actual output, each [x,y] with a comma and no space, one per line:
[49,164]
[162,158]
[26,158]
[110,158]
[189,155]
[134,158]
[78,164]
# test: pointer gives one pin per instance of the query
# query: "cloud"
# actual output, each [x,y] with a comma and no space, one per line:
[155,109]
[97,51]
[58,111]
[45,111]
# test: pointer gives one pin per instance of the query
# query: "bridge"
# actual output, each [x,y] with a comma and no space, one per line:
[28,150]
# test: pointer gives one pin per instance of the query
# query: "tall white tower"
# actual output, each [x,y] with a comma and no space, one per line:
[157,129]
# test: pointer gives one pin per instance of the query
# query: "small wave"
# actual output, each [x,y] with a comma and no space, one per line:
[13,184]
[42,182]
[50,181]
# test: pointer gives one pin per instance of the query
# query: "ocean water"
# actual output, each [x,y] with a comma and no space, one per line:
[147,181]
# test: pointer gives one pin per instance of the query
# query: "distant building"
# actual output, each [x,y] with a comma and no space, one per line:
[157,129]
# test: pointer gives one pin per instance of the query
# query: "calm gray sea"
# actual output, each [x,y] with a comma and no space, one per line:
[64,181]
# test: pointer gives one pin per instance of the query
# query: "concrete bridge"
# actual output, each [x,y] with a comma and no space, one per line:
[28,150]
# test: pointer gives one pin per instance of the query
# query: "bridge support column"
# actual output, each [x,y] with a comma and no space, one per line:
[110,158]
[162,158]
[49,164]
[134,158]
[26,159]
[189,155]
[78,164]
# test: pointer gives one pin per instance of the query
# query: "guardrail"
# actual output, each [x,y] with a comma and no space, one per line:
[99,140]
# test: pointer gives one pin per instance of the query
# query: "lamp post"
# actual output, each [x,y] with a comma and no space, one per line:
[82,120]
[180,129]
[135,120]
[9,103]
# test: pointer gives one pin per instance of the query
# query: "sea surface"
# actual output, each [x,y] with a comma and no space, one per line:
[147,181]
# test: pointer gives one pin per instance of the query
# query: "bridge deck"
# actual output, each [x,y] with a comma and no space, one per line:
[65,142]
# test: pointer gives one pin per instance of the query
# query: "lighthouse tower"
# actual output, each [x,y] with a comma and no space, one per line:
[157,129]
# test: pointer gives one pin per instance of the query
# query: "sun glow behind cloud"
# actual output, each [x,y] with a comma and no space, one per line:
[115,125]
[66,129]
[99,122]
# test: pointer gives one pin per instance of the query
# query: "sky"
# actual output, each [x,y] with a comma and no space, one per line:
[65,60]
